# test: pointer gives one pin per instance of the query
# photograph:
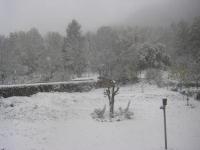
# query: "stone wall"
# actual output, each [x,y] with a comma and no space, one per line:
[30,89]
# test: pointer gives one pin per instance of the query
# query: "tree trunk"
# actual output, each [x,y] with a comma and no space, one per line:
[112,108]
[111,92]
[112,100]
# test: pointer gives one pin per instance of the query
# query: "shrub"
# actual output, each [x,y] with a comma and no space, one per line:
[98,113]
[121,114]
[125,113]
[155,76]
[175,89]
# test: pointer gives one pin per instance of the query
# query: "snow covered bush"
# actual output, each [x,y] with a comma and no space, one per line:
[154,76]
[99,113]
[175,89]
[119,115]
[125,113]
[153,56]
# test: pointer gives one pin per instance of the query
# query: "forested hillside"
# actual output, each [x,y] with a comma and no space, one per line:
[117,52]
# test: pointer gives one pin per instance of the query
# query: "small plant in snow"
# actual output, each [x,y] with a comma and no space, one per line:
[99,113]
[119,115]
[125,113]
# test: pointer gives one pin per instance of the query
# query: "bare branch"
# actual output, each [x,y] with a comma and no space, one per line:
[108,93]
[116,92]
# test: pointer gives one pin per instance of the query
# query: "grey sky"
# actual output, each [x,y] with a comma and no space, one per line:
[54,15]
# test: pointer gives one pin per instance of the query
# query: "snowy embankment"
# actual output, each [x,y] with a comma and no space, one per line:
[60,121]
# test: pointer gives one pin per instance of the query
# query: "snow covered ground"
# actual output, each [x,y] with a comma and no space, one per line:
[61,121]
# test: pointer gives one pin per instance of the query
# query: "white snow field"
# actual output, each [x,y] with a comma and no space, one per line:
[62,121]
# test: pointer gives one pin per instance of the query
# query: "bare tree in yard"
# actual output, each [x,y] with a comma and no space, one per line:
[111,91]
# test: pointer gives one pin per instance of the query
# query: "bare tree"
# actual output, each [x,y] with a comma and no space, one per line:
[111,91]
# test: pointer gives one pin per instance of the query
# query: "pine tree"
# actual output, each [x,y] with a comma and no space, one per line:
[194,37]
[73,49]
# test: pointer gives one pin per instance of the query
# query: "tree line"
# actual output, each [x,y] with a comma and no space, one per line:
[119,53]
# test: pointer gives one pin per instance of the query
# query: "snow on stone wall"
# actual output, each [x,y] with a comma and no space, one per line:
[30,89]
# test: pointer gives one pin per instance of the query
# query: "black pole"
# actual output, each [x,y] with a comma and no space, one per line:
[165,127]
[165,124]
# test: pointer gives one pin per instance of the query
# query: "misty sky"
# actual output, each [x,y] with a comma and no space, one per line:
[54,15]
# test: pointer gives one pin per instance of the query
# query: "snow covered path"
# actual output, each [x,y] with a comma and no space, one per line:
[60,121]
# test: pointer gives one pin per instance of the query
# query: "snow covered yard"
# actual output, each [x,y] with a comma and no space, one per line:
[60,121]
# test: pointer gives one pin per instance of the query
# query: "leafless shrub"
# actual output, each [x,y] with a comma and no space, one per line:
[125,113]
[99,113]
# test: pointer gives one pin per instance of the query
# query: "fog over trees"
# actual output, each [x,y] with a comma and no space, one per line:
[99,74]
[54,41]
[120,53]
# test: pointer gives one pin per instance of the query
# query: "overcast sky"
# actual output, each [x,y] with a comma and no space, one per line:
[54,15]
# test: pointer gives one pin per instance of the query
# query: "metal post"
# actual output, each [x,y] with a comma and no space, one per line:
[165,128]
[165,125]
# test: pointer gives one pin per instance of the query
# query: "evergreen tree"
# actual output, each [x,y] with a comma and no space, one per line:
[73,49]
[182,38]
[194,38]
[51,59]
